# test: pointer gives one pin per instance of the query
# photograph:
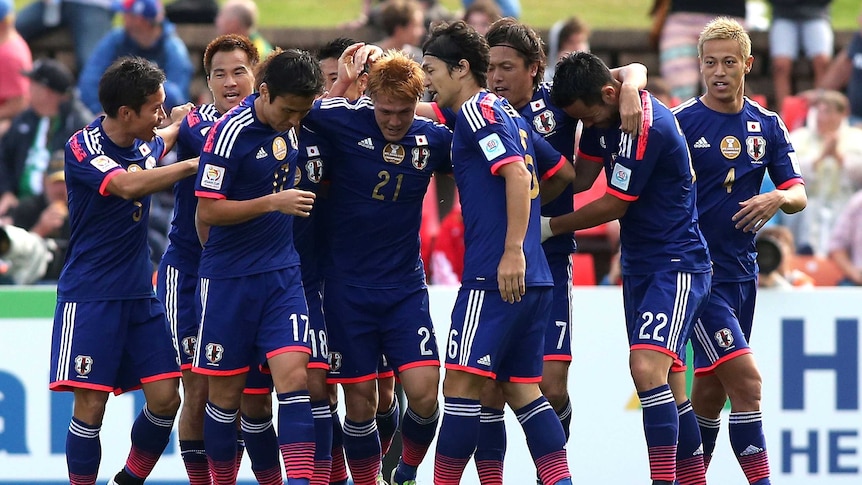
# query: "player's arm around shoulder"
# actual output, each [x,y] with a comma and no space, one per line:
[171,132]
[139,183]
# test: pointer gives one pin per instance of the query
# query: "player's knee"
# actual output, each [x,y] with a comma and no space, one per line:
[745,391]
[256,405]
[646,373]
[555,393]
[165,404]
[360,401]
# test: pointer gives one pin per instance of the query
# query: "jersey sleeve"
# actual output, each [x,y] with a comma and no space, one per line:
[784,169]
[441,149]
[89,167]
[635,162]
[328,114]
[548,160]
[493,138]
[215,172]
[589,147]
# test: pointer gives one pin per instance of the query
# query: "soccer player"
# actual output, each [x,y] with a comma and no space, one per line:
[253,307]
[665,261]
[375,298]
[733,142]
[106,309]
[517,63]
[494,161]
[228,61]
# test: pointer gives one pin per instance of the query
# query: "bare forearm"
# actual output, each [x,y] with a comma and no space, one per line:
[593,214]
[517,210]
[134,185]
[225,212]
[795,199]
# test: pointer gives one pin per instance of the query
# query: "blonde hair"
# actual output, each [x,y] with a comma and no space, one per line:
[723,28]
[397,76]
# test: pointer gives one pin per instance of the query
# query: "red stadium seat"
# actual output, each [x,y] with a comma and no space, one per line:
[824,271]
[583,270]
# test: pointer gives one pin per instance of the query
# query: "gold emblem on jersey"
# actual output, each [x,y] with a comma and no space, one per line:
[393,153]
[297,176]
[134,168]
[279,148]
[730,147]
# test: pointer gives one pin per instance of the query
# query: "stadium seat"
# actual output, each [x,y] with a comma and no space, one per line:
[583,270]
[824,271]
[794,111]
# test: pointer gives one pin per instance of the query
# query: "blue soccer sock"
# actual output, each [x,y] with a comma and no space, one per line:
[296,436]
[456,440]
[709,435]
[689,450]
[491,447]
[362,448]
[339,467]
[565,416]
[387,426]
[749,445]
[661,428]
[194,457]
[417,434]
[150,436]
[546,440]
[322,442]
[261,443]
[220,442]
[83,452]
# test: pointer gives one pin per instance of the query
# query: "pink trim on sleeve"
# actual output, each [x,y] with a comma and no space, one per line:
[103,188]
[550,173]
[514,158]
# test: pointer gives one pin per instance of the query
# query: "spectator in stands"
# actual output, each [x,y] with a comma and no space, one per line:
[145,33]
[846,72]
[566,36]
[47,215]
[830,156]
[776,243]
[510,8]
[845,247]
[796,24]
[87,20]
[403,22]
[481,14]
[677,30]
[14,57]
[54,114]
[240,17]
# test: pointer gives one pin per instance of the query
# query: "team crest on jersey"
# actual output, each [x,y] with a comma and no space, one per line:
[420,157]
[103,163]
[335,361]
[214,353]
[393,153]
[150,162]
[83,365]
[730,147]
[756,148]
[279,148]
[545,122]
[144,149]
[213,177]
[314,170]
[724,338]
[188,344]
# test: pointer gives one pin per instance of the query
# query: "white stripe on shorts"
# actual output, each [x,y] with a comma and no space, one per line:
[680,304]
[64,357]
[471,324]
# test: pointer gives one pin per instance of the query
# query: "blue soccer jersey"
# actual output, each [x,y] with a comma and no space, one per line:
[659,231]
[558,129]
[184,248]
[376,192]
[244,159]
[490,133]
[730,154]
[308,236]
[108,257]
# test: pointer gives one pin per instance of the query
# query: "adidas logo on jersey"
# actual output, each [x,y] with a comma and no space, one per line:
[702,143]
[366,143]
[751,450]
[485,360]
[261,153]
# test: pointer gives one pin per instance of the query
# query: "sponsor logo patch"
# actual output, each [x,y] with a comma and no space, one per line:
[492,146]
[213,177]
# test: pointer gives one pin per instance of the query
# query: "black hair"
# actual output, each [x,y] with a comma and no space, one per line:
[292,71]
[129,81]
[524,40]
[334,48]
[451,42]
[580,76]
